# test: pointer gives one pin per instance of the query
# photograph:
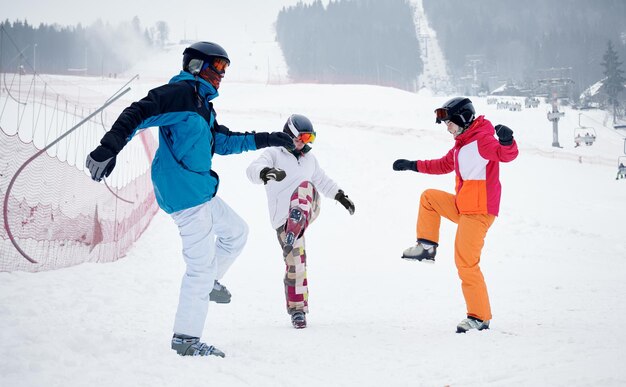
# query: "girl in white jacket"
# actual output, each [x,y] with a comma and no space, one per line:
[292,181]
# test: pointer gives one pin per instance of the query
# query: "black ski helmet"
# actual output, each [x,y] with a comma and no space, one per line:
[203,51]
[459,110]
[296,124]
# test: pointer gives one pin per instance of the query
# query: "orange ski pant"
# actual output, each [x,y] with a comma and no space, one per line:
[468,244]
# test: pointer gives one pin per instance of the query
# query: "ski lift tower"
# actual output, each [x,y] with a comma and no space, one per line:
[474,64]
[558,82]
[554,116]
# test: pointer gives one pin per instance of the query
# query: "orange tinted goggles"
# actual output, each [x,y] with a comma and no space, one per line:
[220,65]
[441,115]
[306,137]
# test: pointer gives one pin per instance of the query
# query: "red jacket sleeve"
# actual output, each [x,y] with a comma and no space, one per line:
[491,149]
[439,166]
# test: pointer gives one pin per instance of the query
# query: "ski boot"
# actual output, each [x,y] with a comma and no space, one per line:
[185,345]
[298,319]
[293,229]
[471,323]
[420,253]
[219,294]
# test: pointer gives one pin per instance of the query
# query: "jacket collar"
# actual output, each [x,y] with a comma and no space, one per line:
[480,126]
[299,153]
[206,91]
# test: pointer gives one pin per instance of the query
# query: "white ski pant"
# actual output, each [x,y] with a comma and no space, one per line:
[213,235]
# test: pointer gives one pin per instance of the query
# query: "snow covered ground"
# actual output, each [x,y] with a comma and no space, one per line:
[554,263]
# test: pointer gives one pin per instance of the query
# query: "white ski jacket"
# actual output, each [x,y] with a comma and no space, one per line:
[306,168]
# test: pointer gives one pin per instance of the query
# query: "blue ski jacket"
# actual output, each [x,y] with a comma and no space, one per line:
[189,135]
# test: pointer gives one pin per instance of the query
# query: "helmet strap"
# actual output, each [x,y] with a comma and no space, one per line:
[195,89]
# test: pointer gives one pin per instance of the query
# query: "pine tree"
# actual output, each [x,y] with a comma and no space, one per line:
[614,82]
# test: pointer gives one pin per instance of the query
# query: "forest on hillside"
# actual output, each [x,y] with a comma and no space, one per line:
[486,43]
[98,49]
[526,41]
[354,41]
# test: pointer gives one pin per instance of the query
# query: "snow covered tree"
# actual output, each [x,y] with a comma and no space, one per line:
[162,32]
[614,82]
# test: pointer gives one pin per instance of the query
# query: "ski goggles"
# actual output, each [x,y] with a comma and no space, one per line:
[306,137]
[219,65]
[441,115]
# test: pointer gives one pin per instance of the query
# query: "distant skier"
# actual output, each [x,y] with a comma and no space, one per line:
[621,171]
[213,235]
[292,180]
[475,159]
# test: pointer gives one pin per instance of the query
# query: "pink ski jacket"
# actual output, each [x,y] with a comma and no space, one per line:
[475,158]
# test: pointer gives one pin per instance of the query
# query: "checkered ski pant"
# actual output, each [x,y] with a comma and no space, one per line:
[305,201]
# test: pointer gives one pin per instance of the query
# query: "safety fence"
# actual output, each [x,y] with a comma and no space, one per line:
[54,215]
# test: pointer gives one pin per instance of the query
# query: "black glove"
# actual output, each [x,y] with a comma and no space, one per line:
[405,165]
[100,162]
[342,198]
[264,140]
[505,134]
[268,174]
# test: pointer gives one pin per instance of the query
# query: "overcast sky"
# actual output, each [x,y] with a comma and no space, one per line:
[223,20]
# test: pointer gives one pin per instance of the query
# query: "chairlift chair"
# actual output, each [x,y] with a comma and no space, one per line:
[584,134]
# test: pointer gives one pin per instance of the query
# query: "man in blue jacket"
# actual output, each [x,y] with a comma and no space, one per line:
[185,186]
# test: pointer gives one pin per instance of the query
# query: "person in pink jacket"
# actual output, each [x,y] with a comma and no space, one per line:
[293,182]
[475,159]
